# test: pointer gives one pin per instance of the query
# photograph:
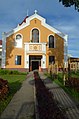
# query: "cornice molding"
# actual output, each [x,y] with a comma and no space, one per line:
[43,22]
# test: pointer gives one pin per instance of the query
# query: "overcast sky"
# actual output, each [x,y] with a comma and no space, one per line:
[66,20]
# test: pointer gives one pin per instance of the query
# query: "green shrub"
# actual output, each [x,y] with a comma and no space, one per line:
[60,77]
[3,71]
[16,72]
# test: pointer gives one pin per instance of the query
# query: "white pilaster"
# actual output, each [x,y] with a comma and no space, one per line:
[27,61]
[3,50]
[66,51]
[44,47]
[26,58]
[43,61]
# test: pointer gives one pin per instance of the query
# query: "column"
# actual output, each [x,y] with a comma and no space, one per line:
[43,61]
[3,50]
[26,58]
[27,61]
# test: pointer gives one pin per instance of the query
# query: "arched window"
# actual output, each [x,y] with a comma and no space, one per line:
[35,35]
[18,41]
[51,41]
[18,36]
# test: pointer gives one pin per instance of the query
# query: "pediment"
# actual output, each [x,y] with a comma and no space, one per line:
[43,23]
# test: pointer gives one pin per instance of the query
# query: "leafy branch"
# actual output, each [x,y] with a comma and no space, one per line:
[69,3]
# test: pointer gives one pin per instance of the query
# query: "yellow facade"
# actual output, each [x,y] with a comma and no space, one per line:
[26,32]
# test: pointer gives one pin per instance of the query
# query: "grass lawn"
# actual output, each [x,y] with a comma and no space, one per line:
[15,82]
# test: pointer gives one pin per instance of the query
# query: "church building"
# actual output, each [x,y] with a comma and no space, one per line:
[33,44]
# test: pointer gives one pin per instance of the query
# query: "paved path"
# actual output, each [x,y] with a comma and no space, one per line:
[22,104]
[63,100]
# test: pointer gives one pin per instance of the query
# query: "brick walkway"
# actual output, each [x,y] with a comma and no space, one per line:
[63,100]
[23,103]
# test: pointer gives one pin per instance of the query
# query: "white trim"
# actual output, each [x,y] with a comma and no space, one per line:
[43,61]
[24,56]
[18,34]
[43,22]
[3,50]
[66,49]
[31,33]
[34,43]
[43,51]
[48,37]
[27,61]
[54,40]
[21,40]
[0,46]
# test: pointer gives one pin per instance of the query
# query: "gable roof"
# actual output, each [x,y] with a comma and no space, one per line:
[27,20]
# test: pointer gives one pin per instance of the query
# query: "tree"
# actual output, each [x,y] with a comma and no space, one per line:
[69,3]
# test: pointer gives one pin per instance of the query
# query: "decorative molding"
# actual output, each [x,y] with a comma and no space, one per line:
[43,22]
[19,42]
[54,40]
[35,47]
[31,33]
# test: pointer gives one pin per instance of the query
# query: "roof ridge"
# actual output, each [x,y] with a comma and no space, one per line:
[23,20]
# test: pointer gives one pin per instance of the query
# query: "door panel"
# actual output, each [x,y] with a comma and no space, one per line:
[35,65]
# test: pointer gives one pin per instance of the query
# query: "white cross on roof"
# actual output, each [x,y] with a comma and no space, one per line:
[35,11]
